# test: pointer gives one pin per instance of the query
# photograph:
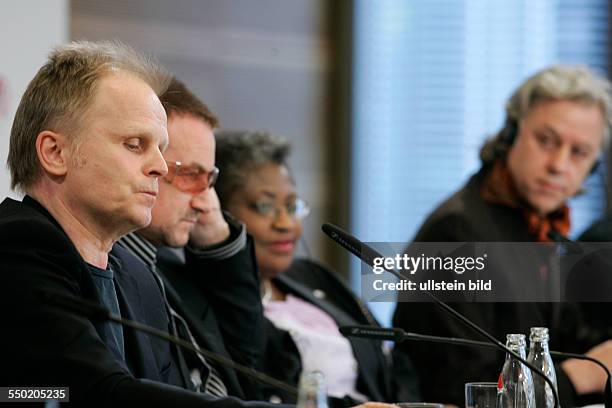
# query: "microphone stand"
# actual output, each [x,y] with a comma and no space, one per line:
[354,246]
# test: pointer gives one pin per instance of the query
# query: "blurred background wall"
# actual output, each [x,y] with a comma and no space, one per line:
[430,81]
[28,29]
[385,101]
[257,64]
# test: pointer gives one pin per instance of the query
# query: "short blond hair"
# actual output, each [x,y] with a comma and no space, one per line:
[62,90]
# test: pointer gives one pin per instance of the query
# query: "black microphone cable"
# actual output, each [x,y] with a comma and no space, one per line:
[398,335]
[95,311]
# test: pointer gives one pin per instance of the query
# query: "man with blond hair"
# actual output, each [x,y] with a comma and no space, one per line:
[86,149]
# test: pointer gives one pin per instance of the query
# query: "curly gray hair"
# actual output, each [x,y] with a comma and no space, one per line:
[558,82]
[239,152]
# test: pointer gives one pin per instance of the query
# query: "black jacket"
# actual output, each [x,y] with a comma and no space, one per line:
[45,346]
[220,300]
[316,284]
[444,369]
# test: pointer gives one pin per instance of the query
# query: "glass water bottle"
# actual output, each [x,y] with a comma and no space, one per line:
[539,356]
[515,385]
[312,391]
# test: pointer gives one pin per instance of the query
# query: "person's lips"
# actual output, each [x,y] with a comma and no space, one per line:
[282,246]
[150,190]
[191,217]
[150,196]
[549,187]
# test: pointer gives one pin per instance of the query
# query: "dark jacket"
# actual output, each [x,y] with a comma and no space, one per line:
[319,286]
[44,345]
[220,300]
[597,319]
[444,369]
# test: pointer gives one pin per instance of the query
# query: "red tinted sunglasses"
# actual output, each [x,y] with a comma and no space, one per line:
[190,179]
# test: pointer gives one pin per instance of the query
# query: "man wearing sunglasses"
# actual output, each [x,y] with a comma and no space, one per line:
[211,282]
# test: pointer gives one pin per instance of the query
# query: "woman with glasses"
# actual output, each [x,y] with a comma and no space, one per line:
[304,302]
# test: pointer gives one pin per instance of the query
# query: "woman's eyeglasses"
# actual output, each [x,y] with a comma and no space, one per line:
[190,178]
[296,209]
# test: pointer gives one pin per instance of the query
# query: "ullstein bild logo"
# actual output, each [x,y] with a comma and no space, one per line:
[413,264]
[432,285]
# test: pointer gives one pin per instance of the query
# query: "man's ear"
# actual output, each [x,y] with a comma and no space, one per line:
[53,152]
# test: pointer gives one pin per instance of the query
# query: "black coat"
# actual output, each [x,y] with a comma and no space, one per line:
[596,315]
[220,301]
[319,286]
[444,369]
[45,346]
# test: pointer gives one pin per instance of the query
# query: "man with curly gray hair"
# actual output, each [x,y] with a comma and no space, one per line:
[557,124]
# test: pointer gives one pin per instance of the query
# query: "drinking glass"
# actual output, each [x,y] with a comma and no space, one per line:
[481,395]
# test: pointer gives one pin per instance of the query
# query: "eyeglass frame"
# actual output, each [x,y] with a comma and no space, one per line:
[274,210]
[210,182]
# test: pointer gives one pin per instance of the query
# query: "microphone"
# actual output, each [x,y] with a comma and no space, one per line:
[372,332]
[367,255]
[95,311]
[398,335]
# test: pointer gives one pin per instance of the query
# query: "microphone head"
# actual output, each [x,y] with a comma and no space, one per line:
[346,240]
[373,332]
[328,228]
[350,243]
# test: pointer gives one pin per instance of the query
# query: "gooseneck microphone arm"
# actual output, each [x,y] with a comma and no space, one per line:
[96,312]
[367,255]
[398,335]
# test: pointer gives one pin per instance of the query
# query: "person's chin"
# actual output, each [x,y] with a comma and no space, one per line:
[175,237]
[272,271]
[178,240]
[282,262]
[547,205]
[273,264]
[141,219]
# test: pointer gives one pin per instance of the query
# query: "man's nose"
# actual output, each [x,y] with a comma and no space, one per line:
[201,201]
[559,159]
[157,166]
